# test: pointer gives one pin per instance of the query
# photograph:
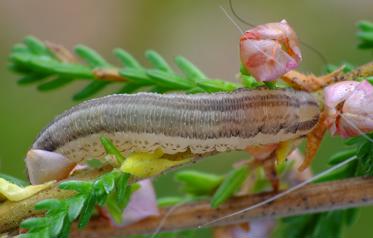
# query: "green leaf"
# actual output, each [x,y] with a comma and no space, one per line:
[135,75]
[342,156]
[114,209]
[169,201]
[232,182]
[108,181]
[158,62]
[79,186]
[354,140]
[36,46]
[365,25]
[300,226]
[365,45]
[95,163]
[87,210]
[100,195]
[329,225]
[346,172]
[121,187]
[270,85]
[31,78]
[91,89]
[127,59]
[65,231]
[48,204]
[130,88]
[215,85]
[249,81]
[189,69]
[45,65]
[90,56]
[69,70]
[111,149]
[75,206]
[44,233]
[54,83]
[57,222]
[351,216]
[168,80]
[244,71]
[116,206]
[34,223]
[20,48]
[365,36]
[198,183]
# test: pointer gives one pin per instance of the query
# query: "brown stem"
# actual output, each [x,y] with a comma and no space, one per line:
[312,198]
[312,83]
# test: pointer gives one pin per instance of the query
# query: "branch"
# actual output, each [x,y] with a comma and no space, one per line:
[310,199]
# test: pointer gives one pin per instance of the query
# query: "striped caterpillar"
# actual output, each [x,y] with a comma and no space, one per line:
[178,124]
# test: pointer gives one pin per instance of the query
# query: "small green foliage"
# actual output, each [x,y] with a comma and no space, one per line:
[198,183]
[110,189]
[118,200]
[39,65]
[111,149]
[232,182]
[90,56]
[365,35]
[169,201]
[326,224]
[249,81]
[61,213]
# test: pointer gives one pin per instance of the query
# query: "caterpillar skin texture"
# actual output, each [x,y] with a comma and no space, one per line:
[198,124]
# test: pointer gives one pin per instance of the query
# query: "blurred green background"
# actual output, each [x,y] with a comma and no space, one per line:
[197,30]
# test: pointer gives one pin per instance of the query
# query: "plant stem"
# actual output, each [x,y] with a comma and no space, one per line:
[310,199]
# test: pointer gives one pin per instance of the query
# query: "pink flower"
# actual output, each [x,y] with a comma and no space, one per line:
[350,108]
[270,50]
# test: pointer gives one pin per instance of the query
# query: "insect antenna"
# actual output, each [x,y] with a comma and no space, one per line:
[237,16]
[305,44]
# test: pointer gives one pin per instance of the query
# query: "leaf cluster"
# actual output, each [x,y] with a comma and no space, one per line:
[201,185]
[111,189]
[365,34]
[42,65]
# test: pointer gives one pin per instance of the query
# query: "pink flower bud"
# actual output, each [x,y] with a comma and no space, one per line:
[350,108]
[268,51]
